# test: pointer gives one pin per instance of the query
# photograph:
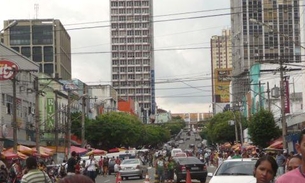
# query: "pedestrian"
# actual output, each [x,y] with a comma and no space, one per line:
[91,166]
[170,170]
[294,162]
[265,169]
[105,166]
[15,171]
[160,167]
[71,164]
[34,175]
[76,179]
[297,175]
[281,161]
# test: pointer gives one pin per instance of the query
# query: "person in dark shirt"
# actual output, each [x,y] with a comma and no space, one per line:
[71,164]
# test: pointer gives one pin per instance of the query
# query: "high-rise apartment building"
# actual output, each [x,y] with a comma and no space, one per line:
[45,41]
[221,69]
[262,31]
[132,46]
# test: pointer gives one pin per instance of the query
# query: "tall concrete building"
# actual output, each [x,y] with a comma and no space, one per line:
[221,69]
[45,41]
[133,74]
[263,31]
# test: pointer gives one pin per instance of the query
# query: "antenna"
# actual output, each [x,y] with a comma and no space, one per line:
[36,8]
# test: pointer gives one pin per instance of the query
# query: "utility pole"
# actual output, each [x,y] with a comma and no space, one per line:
[69,123]
[56,122]
[14,123]
[83,115]
[260,95]
[269,101]
[284,130]
[37,116]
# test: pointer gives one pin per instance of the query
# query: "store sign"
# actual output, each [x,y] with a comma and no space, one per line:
[7,69]
[286,96]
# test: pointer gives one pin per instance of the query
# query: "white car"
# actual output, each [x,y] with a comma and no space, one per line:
[132,168]
[234,171]
[176,150]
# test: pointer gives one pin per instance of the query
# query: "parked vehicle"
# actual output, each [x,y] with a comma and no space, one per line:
[132,168]
[234,170]
[198,169]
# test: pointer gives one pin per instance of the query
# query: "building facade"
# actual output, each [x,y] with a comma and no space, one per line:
[104,98]
[22,70]
[132,46]
[263,31]
[45,41]
[221,70]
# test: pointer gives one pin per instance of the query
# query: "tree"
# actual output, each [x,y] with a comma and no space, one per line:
[262,128]
[218,129]
[114,129]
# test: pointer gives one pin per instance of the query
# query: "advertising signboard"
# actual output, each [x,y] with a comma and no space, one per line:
[222,79]
[6,69]
[286,96]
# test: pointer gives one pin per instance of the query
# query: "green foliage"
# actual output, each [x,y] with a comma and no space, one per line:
[262,128]
[218,129]
[117,129]
[174,126]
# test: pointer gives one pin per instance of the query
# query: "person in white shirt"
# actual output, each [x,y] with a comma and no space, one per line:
[91,165]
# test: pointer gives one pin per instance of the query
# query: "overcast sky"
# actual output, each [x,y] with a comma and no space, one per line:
[187,55]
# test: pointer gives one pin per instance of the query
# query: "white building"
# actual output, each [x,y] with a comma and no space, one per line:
[25,96]
[133,74]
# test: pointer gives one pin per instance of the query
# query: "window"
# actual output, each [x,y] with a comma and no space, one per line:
[26,51]
[48,69]
[42,34]
[20,35]
[48,53]
[37,54]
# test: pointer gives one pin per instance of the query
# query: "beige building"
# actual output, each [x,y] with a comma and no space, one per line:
[221,69]
[132,46]
[45,41]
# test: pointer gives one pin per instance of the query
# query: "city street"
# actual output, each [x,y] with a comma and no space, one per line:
[111,178]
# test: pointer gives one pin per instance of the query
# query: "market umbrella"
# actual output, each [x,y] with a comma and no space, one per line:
[25,150]
[44,150]
[8,155]
[78,150]
[96,152]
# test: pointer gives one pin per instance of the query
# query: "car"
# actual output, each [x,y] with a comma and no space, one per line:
[132,168]
[198,169]
[176,150]
[234,170]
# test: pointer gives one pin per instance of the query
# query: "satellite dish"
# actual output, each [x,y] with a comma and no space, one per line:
[4,131]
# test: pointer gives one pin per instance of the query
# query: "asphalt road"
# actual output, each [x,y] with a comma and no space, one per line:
[111,178]
[183,146]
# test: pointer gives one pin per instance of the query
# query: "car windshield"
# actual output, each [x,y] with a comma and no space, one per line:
[236,168]
[130,161]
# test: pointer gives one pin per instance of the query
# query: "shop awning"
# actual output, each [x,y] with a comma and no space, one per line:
[96,152]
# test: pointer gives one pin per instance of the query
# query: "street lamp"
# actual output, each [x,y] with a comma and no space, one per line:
[10,25]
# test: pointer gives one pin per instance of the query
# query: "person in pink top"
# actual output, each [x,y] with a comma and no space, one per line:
[297,175]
